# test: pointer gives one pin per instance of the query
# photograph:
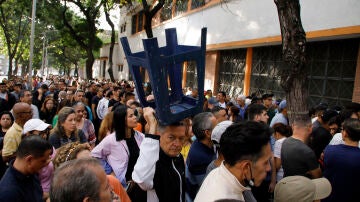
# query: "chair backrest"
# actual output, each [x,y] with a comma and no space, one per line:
[163,64]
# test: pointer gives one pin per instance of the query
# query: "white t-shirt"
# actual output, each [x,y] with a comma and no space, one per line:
[337,139]
[102,108]
[277,154]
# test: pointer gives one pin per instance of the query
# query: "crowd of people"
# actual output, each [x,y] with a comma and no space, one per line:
[67,139]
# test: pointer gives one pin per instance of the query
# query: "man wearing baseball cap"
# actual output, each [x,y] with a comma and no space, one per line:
[281,116]
[36,127]
[301,189]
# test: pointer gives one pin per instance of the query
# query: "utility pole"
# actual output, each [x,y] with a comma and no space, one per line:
[33,15]
[43,55]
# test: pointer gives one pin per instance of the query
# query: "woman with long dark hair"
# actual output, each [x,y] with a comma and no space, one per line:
[48,110]
[120,149]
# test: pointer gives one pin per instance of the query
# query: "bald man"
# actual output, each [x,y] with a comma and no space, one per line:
[22,112]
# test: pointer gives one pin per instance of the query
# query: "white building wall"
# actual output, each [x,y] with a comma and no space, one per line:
[118,59]
[240,20]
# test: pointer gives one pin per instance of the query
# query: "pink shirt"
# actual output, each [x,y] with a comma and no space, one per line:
[116,153]
[46,173]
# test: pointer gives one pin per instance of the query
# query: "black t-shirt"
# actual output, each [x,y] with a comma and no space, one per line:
[95,100]
[112,102]
[320,138]
[89,96]
[297,158]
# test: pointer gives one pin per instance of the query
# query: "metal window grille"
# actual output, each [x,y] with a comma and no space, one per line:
[181,7]
[166,11]
[191,75]
[197,3]
[331,69]
[265,78]
[231,72]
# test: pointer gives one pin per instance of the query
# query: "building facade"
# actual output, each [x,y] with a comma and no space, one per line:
[244,45]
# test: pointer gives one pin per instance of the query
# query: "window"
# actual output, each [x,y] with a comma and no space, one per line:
[171,8]
[120,67]
[231,73]
[123,28]
[137,22]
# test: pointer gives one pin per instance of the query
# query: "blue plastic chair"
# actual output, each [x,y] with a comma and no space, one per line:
[163,63]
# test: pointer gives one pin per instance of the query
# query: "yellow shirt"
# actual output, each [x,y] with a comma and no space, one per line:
[185,150]
[12,140]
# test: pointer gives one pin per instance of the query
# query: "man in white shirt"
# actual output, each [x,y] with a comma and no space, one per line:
[246,150]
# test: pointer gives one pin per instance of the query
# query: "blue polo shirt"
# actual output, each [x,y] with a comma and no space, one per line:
[16,187]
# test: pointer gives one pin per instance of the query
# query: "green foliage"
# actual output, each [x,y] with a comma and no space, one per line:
[66,45]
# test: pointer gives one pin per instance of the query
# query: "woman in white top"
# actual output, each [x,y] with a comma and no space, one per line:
[281,132]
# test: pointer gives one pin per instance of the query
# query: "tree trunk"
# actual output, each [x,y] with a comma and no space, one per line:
[16,67]
[112,44]
[293,77]
[149,14]
[89,63]
[76,71]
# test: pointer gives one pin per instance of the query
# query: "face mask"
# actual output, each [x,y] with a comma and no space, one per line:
[249,183]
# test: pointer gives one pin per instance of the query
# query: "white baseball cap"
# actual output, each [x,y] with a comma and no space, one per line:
[219,129]
[35,124]
[301,189]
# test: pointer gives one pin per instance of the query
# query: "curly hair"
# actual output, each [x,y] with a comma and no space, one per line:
[68,152]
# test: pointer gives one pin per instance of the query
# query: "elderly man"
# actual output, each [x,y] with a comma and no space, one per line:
[201,153]
[160,168]
[242,105]
[246,150]
[22,113]
[80,180]
[26,96]
[20,182]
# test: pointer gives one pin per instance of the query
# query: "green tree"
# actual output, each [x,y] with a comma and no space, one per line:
[15,25]
[83,27]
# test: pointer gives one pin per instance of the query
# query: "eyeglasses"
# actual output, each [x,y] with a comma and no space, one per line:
[41,133]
